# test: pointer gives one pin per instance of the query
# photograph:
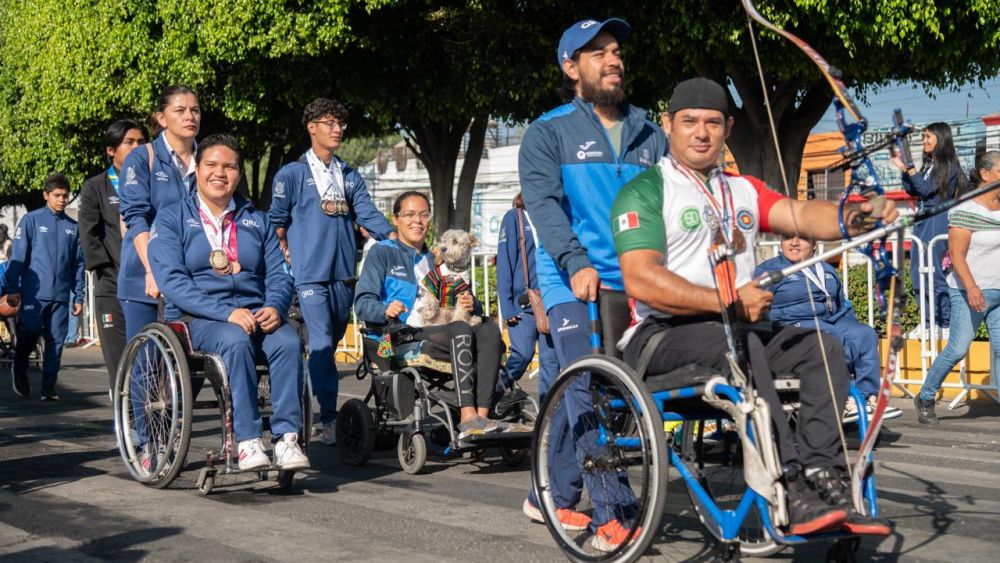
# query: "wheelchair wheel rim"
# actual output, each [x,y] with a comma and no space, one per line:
[650,472]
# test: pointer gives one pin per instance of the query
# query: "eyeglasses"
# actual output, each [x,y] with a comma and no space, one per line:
[412,215]
[333,124]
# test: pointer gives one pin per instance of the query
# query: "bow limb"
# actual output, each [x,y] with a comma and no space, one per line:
[896,304]
[830,73]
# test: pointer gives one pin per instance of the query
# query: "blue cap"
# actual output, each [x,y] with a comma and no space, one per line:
[583,31]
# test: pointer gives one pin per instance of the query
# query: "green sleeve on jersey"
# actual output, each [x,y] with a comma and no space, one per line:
[637,214]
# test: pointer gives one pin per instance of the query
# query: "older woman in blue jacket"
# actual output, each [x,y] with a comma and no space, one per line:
[217,260]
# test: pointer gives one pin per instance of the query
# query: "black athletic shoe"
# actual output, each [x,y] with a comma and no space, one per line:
[507,402]
[20,382]
[807,513]
[49,393]
[925,410]
[833,486]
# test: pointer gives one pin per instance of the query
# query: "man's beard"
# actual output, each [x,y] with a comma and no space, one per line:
[593,92]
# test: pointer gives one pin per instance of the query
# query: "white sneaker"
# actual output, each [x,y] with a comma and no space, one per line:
[329,435]
[252,455]
[890,412]
[851,412]
[288,455]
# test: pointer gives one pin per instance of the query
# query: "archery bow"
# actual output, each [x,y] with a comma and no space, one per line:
[887,277]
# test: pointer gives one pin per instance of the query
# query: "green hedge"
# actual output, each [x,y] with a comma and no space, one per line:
[857,291]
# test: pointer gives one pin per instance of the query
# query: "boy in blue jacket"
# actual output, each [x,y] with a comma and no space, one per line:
[834,313]
[46,262]
[315,203]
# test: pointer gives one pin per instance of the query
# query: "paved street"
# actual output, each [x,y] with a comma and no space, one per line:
[65,496]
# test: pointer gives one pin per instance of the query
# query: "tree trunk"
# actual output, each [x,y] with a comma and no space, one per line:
[436,144]
[752,142]
[470,167]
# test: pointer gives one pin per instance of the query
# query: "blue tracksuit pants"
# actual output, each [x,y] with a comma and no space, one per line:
[523,337]
[50,320]
[283,352]
[574,432]
[861,350]
[326,310]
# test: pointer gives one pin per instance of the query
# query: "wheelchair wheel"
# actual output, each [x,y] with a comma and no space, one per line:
[412,457]
[153,396]
[719,461]
[513,457]
[355,432]
[619,429]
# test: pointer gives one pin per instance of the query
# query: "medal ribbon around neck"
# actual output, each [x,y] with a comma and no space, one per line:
[329,179]
[223,236]
[725,213]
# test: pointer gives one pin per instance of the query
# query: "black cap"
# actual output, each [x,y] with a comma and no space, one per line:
[699,93]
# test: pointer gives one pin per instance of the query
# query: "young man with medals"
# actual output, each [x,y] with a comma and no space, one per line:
[46,262]
[217,260]
[665,221]
[315,204]
[101,237]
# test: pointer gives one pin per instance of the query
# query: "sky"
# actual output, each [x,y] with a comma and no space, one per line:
[921,108]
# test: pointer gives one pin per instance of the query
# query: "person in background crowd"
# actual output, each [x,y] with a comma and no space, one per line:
[315,202]
[218,261]
[515,275]
[572,163]
[833,311]
[5,243]
[155,176]
[101,237]
[939,179]
[45,265]
[973,284]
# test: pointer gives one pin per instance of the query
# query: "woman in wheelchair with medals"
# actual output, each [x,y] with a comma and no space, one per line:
[217,262]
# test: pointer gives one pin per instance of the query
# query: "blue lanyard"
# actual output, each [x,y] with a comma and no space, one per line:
[113,176]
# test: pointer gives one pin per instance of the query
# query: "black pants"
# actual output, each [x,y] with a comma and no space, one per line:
[778,351]
[111,327]
[474,353]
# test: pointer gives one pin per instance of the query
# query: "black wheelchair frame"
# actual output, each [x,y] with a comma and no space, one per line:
[410,406]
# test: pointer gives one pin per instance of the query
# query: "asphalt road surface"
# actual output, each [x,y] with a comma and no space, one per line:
[65,496]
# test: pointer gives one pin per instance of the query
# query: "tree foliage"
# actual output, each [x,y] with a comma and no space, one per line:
[935,42]
[438,71]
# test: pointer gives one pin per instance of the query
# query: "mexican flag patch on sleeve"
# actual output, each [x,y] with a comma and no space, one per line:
[626,222]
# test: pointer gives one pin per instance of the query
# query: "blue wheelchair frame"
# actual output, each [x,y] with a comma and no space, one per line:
[727,522]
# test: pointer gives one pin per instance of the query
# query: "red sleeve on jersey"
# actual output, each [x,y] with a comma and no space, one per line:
[766,198]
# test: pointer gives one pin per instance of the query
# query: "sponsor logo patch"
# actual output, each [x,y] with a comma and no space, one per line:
[43,229]
[162,176]
[279,189]
[130,174]
[398,271]
[690,218]
[745,219]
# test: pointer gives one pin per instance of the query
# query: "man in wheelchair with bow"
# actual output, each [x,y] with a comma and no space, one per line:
[665,222]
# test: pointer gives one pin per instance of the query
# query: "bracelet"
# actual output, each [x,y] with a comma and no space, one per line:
[149,272]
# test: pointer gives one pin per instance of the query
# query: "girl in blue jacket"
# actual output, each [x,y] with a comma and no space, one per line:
[155,175]
[217,260]
[939,179]
[386,292]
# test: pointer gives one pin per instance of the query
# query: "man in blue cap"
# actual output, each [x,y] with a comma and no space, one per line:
[572,163]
